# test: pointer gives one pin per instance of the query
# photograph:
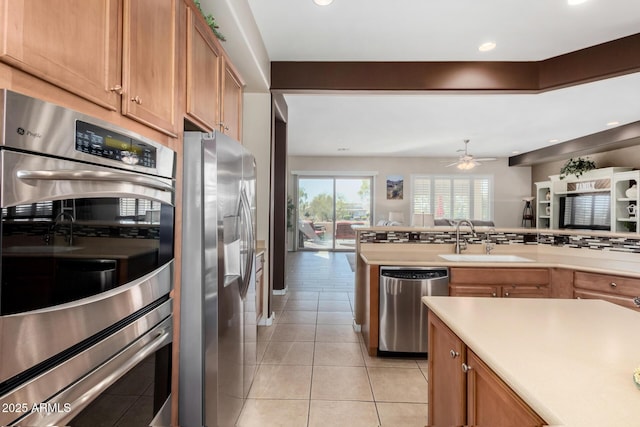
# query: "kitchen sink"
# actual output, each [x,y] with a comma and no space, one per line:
[484,258]
[43,249]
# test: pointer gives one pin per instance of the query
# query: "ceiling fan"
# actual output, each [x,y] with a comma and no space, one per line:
[466,161]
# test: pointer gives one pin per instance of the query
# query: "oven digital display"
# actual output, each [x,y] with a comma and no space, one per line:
[101,142]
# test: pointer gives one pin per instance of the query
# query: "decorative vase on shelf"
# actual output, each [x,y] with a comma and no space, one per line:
[631,192]
[633,210]
[548,195]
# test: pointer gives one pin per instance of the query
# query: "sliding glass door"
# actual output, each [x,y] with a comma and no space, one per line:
[328,208]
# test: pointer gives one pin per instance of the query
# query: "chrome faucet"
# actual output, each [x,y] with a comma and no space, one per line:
[489,245]
[462,245]
[58,220]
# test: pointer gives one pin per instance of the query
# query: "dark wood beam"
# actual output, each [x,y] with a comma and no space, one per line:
[606,60]
[602,61]
[607,140]
[514,77]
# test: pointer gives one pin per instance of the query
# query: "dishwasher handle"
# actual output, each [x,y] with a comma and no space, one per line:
[414,273]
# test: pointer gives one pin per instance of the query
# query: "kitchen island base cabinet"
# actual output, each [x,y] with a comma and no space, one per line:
[463,390]
[490,402]
[447,388]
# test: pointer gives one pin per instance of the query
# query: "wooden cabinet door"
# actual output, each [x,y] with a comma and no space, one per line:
[447,382]
[231,114]
[474,291]
[149,63]
[525,291]
[490,402]
[625,301]
[73,44]
[203,73]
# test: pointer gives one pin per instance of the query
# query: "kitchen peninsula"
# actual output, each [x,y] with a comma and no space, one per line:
[552,264]
[567,362]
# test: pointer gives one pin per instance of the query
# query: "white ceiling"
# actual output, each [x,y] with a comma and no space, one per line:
[451,30]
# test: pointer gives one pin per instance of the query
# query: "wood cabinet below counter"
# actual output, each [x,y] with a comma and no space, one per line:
[502,282]
[624,291]
[463,390]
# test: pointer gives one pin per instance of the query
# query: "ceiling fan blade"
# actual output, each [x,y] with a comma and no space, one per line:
[451,164]
[487,159]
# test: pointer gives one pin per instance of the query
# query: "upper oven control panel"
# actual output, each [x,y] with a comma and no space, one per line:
[101,142]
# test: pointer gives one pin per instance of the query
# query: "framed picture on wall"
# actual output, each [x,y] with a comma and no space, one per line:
[395,184]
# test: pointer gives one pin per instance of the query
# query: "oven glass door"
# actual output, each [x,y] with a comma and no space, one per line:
[72,231]
[58,251]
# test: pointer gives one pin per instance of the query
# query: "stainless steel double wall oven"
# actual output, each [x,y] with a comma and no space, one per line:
[87,258]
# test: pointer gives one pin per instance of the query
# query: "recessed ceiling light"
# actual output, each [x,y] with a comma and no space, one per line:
[486,47]
[515,152]
[575,2]
[323,2]
[553,140]
[613,123]
[343,149]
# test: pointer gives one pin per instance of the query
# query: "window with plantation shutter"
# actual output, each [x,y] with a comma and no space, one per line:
[39,210]
[453,196]
[130,207]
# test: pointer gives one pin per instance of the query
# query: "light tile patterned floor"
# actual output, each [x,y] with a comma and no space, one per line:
[313,368]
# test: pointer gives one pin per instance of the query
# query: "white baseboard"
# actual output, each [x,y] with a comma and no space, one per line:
[267,321]
[280,291]
[356,327]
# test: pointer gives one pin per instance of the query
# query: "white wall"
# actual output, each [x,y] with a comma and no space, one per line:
[256,137]
[510,183]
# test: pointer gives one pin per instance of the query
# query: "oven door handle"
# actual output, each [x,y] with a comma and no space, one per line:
[88,175]
[62,417]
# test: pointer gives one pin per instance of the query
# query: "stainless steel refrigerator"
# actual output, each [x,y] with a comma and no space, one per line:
[218,330]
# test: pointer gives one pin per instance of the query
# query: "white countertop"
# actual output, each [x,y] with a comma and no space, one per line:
[572,361]
[408,254]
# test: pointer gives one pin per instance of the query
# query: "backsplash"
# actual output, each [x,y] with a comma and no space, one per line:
[582,241]
[128,231]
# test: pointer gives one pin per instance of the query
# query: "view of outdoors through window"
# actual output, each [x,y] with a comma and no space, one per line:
[327,209]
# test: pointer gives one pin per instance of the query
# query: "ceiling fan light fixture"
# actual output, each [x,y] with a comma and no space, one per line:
[323,2]
[466,165]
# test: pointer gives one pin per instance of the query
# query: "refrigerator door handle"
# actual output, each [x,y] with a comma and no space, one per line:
[248,224]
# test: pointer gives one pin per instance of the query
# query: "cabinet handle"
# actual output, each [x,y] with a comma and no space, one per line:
[454,354]
[493,294]
[636,301]
[223,127]
[117,89]
[506,294]
[613,284]
[137,100]
[466,368]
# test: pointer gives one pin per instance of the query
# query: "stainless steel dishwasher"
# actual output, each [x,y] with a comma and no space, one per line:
[403,316]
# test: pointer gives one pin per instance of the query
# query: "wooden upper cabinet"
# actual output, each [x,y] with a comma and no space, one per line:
[73,44]
[149,63]
[118,54]
[231,115]
[203,73]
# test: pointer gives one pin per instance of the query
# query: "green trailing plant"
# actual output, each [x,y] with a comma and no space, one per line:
[211,22]
[576,167]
